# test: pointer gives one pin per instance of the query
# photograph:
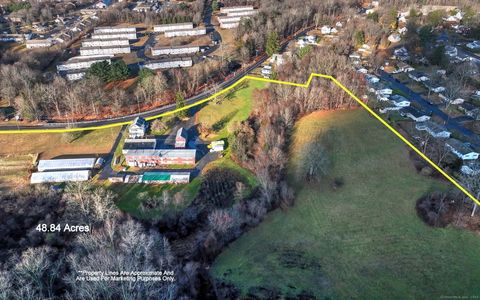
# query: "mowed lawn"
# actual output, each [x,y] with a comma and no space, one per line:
[361,241]
[235,107]
[50,145]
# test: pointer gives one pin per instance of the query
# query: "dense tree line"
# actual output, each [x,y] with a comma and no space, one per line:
[44,11]
[177,13]
[45,265]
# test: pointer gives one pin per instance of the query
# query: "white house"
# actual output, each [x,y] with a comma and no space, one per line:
[399,101]
[372,79]
[436,88]
[434,129]
[414,114]
[451,51]
[475,45]
[138,128]
[417,76]
[461,150]
[471,168]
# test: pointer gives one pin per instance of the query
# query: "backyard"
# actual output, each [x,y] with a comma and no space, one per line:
[235,107]
[360,240]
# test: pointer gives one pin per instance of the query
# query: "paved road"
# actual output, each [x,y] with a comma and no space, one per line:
[107,170]
[450,122]
[228,82]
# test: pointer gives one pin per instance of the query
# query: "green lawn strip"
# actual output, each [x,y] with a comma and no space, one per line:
[235,107]
[129,200]
[362,241]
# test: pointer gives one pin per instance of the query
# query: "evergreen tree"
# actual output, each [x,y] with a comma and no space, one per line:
[100,69]
[118,71]
[180,102]
[273,44]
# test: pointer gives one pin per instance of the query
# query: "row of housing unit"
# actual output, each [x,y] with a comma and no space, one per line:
[179,29]
[104,43]
[231,16]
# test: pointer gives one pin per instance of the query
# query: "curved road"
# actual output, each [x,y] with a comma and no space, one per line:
[156,111]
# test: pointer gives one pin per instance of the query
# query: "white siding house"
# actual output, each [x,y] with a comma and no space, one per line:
[138,128]
[181,62]
[175,50]
[115,35]
[186,32]
[227,10]
[434,129]
[104,50]
[170,27]
[105,42]
[461,150]
[115,29]
[399,101]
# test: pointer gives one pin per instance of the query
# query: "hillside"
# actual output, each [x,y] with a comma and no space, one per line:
[362,240]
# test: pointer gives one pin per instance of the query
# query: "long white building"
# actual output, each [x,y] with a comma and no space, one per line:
[226,10]
[114,29]
[105,42]
[227,19]
[73,75]
[65,164]
[38,43]
[60,176]
[242,13]
[229,25]
[186,32]
[182,62]
[115,35]
[175,50]
[82,62]
[104,50]
[174,26]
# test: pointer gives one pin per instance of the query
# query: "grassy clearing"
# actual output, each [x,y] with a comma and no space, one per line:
[14,170]
[51,145]
[130,198]
[234,108]
[361,241]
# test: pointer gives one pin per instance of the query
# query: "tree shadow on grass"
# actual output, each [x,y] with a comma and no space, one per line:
[220,124]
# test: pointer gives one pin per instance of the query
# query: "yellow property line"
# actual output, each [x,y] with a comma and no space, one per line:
[248,77]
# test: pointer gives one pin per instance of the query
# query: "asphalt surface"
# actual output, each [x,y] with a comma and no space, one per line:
[450,123]
[192,100]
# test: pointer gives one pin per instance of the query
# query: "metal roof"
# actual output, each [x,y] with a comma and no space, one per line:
[60,176]
[66,164]
[167,153]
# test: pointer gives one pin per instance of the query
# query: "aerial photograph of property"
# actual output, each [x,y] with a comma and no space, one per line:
[239,149]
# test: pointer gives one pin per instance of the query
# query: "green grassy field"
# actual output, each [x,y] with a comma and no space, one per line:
[361,241]
[234,108]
